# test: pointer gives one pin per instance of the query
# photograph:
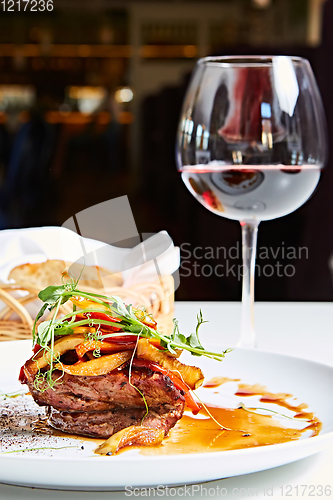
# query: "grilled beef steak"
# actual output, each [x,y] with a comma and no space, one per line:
[100,406]
[103,424]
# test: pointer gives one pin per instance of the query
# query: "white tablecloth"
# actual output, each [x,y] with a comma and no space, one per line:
[304,330]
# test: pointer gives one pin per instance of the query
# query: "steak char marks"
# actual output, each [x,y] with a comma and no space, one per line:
[99,406]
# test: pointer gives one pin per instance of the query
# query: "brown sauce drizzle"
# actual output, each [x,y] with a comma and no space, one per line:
[276,398]
[201,434]
[249,428]
[217,381]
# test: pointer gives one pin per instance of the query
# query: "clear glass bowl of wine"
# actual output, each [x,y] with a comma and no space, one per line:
[251,145]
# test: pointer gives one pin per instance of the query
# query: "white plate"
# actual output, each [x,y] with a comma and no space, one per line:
[73,468]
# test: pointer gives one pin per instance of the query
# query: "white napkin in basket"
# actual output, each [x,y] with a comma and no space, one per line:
[147,262]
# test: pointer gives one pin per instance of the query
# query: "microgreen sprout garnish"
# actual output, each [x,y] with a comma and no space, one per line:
[222,427]
[254,410]
[37,449]
[15,394]
[132,385]
[95,337]
[44,380]
[115,315]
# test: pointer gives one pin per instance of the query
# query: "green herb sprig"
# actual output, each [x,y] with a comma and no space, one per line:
[254,410]
[39,448]
[15,394]
[126,319]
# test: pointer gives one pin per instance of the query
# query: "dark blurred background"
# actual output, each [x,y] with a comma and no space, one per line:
[90,95]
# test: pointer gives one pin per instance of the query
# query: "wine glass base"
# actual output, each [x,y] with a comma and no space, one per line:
[247,346]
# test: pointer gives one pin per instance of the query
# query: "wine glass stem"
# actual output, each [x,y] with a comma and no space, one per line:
[249,247]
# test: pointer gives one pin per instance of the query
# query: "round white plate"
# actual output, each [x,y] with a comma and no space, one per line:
[74,468]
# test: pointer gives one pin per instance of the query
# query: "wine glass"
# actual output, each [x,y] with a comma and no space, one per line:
[250,146]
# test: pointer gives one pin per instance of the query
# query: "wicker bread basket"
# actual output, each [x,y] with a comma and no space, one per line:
[157,297]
